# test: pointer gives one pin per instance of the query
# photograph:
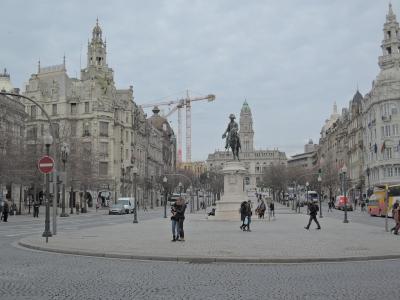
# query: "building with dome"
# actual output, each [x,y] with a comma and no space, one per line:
[381,112]
[115,149]
[255,161]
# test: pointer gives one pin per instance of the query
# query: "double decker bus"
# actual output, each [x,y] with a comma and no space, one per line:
[377,201]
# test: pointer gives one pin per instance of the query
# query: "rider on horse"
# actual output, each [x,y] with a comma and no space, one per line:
[232,125]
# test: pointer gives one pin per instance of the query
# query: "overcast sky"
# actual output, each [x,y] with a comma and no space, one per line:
[290,59]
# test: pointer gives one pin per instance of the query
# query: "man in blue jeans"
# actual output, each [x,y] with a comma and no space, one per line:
[175,227]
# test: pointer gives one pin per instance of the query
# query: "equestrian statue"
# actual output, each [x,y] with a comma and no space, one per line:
[232,137]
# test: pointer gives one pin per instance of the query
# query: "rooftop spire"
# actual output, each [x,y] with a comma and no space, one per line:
[390,16]
[334,108]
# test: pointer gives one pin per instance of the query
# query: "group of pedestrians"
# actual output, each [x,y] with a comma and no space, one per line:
[245,215]
[177,218]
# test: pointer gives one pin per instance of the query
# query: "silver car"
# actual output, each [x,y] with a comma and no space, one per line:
[117,209]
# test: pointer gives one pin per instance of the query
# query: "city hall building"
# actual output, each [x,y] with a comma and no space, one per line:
[255,161]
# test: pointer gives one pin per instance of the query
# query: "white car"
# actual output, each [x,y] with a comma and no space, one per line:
[128,203]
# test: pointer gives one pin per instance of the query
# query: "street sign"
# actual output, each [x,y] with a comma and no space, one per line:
[46,164]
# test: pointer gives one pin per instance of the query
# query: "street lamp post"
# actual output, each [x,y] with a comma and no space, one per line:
[344,171]
[307,184]
[48,140]
[64,158]
[165,180]
[368,173]
[320,198]
[135,219]
[294,194]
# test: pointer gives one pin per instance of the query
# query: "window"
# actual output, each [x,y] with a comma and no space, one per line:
[86,129]
[103,168]
[32,133]
[103,128]
[104,148]
[127,136]
[86,107]
[73,129]
[33,112]
[393,109]
[389,50]
[54,109]
[127,117]
[56,128]
[87,149]
[395,129]
[74,109]
[126,154]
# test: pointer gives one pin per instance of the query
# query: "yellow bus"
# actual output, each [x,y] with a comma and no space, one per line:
[377,204]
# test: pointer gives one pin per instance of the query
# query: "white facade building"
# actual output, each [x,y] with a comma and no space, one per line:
[381,112]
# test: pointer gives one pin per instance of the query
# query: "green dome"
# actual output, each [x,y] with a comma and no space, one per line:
[246,107]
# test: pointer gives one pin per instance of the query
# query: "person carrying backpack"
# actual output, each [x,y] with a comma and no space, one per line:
[313,208]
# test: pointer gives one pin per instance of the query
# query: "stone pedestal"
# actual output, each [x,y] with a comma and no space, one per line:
[228,207]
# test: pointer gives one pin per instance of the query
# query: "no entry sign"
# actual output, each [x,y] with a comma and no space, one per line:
[46,164]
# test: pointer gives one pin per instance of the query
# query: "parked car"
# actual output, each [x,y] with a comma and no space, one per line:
[341,202]
[117,209]
[128,203]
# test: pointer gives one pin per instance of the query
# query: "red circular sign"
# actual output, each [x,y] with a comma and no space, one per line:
[46,164]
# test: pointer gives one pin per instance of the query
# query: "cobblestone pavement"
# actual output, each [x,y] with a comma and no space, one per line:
[33,275]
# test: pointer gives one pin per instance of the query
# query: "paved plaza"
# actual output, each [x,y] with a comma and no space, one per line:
[282,239]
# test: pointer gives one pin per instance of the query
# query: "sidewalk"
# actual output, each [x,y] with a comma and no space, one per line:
[281,240]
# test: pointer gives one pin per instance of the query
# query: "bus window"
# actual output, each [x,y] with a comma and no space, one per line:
[394,191]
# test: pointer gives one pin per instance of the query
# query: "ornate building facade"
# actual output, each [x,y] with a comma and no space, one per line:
[255,161]
[381,112]
[113,146]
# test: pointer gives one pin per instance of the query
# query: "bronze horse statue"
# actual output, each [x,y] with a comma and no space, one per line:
[234,143]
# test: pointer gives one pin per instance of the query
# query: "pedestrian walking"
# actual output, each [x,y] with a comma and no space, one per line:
[174,223]
[180,215]
[6,210]
[330,206]
[77,208]
[36,209]
[260,210]
[243,214]
[362,205]
[396,218]
[313,208]
[145,208]
[272,209]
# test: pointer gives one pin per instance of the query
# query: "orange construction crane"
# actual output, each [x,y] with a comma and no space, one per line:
[179,104]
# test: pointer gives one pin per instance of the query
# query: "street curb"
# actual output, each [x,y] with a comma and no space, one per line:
[204,259]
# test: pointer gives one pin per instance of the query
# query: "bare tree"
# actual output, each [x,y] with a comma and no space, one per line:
[275,177]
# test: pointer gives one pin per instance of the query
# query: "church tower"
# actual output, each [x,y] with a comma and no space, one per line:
[96,54]
[390,44]
[246,132]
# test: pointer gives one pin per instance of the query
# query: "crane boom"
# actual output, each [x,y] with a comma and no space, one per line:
[179,104]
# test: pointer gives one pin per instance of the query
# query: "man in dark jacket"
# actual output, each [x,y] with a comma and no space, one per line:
[313,208]
[36,209]
[6,210]
[180,216]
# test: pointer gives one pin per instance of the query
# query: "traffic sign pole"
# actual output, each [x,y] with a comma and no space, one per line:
[46,165]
